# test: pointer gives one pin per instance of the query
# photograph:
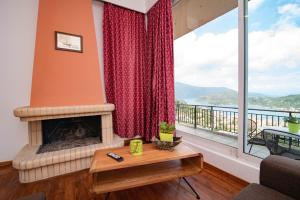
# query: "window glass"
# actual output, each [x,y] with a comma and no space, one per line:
[273,74]
[206,68]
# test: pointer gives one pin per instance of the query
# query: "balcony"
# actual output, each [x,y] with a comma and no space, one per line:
[220,123]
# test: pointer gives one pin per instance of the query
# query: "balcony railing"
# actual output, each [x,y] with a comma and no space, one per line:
[225,119]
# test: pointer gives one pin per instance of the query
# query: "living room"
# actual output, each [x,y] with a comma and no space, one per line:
[90,105]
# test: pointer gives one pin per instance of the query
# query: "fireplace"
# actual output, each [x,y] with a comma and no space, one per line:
[67,133]
[63,139]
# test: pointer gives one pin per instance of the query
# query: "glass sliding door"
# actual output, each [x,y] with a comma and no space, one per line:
[206,73]
[273,75]
[239,74]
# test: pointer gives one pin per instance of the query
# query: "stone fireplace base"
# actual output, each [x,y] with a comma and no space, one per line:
[33,167]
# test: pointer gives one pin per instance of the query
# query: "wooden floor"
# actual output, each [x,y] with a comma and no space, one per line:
[211,183]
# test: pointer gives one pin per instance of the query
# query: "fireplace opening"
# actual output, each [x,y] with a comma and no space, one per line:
[67,133]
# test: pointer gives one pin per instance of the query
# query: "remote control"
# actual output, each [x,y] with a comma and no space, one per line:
[115,157]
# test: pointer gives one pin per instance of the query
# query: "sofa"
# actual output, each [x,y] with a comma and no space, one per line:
[279,180]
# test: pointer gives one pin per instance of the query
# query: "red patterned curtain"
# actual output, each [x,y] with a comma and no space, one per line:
[160,101]
[142,91]
[124,66]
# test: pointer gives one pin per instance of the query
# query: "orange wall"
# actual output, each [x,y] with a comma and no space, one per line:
[60,77]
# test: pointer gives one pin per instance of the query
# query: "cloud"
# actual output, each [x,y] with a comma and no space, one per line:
[274,49]
[290,9]
[254,4]
[282,84]
[207,60]
[211,59]
[288,13]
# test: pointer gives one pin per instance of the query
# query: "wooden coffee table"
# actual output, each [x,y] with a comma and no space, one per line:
[154,166]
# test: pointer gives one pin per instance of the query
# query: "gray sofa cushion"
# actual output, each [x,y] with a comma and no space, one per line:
[281,174]
[259,192]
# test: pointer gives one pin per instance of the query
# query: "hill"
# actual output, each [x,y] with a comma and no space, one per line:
[285,102]
[185,91]
[225,96]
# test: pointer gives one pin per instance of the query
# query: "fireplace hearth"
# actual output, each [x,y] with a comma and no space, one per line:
[67,133]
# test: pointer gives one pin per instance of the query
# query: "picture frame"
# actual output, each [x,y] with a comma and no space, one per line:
[68,42]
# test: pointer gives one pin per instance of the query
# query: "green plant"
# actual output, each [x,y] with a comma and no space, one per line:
[292,119]
[166,128]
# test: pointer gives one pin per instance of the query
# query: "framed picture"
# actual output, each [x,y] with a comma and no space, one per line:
[68,42]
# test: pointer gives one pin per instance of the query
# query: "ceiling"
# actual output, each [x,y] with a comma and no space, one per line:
[138,5]
[187,14]
[191,14]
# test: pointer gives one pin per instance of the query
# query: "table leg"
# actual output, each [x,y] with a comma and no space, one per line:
[107,196]
[190,186]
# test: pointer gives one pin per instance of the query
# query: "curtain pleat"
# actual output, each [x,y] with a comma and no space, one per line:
[124,37]
[161,101]
[139,68]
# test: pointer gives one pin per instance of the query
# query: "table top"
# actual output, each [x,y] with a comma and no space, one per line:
[101,162]
[283,131]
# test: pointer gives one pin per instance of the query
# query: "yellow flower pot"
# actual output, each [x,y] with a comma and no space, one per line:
[293,127]
[166,137]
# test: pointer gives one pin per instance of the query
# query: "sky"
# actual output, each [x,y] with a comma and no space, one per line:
[208,56]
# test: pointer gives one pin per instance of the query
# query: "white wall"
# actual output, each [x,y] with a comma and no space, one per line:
[137,5]
[98,20]
[17,39]
[142,6]
[149,4]
[224,157]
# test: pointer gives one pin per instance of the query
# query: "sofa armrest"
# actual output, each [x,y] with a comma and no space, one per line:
[281,174]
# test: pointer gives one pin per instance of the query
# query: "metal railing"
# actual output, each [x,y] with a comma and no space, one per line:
[225,119]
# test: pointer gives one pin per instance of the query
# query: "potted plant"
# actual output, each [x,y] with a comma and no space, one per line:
[293,124]
[166,131]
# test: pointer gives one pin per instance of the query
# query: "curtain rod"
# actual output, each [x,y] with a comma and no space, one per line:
[119,6]
[174,2]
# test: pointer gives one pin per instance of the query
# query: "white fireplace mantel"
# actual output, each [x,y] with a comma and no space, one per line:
[28,113]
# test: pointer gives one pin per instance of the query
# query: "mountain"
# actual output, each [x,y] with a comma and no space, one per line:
[184,91]
[222,98]
[225,96]
[285,102]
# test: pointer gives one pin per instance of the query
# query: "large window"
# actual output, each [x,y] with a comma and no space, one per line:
[237,79]
[273,74]
[206,79]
